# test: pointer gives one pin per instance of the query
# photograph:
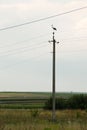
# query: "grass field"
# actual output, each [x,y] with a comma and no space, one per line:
[41,120]
[15,113]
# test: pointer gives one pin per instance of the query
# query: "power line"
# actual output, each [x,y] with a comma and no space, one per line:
[38,45]
[27,40]
[80,51]
[23,61]
[73,38]
[20,50]
[24,47]
[42,19]
[23,41]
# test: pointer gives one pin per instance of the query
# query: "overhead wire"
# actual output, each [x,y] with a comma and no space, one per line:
[24,41]
[21,50]
[73,38]
[37,45]
[24,49]
[42,19]
[23,61]
[74,51]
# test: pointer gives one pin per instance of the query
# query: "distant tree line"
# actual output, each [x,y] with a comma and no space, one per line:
[78,101]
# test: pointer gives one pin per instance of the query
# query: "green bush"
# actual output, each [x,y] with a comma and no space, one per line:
[78,101]
[60,103]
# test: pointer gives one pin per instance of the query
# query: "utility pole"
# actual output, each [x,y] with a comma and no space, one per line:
[53,77]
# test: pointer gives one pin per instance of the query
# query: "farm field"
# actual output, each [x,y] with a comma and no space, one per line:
[27,100]
[32,94]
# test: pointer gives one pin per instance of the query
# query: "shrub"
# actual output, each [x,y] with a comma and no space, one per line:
[78,101]
[60,103]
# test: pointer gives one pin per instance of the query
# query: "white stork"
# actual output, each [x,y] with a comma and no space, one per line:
[53,28]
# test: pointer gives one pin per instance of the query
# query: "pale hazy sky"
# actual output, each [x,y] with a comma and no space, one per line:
[26,54]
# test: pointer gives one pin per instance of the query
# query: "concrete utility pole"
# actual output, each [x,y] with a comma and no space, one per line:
[53,77]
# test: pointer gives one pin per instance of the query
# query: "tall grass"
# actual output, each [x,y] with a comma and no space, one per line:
[41,120]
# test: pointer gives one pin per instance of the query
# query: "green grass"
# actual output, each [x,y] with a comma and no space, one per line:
[21,106]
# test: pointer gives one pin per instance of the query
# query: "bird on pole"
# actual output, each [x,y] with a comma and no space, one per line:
[53,28]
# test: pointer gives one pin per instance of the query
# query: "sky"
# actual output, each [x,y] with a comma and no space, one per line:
[26,54]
